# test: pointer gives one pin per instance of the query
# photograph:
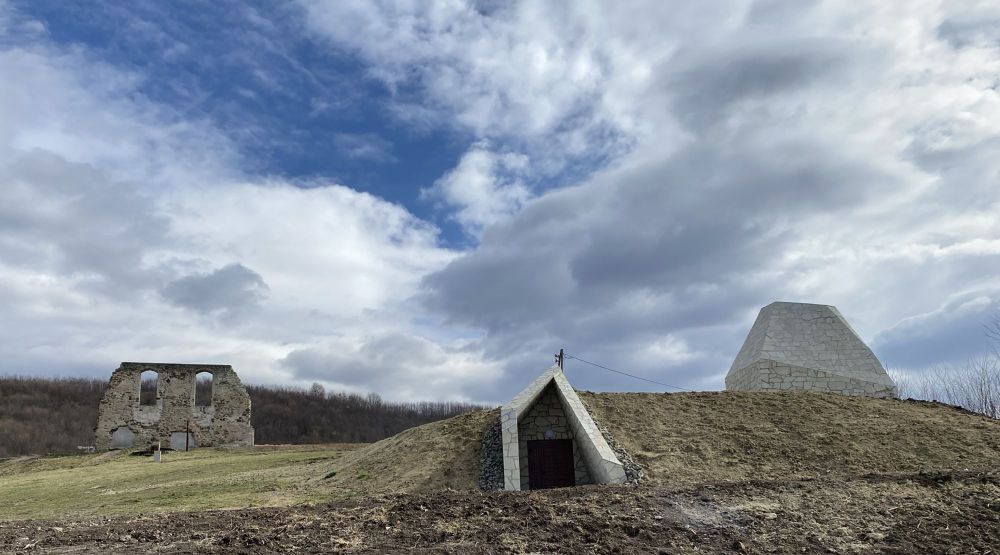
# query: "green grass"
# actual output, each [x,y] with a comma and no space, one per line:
[118,484]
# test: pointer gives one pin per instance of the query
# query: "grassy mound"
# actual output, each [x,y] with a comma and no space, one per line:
[434,456]
[693,438]
[684,441]
[688,438]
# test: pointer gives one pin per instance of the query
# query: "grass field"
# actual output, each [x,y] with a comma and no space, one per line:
[118,484]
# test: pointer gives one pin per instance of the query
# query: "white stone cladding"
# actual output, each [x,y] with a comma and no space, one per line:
[807,346]
[602,466]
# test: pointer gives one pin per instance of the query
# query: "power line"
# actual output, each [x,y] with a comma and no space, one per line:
[567,355]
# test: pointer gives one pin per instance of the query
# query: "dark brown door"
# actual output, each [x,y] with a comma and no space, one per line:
[550,463]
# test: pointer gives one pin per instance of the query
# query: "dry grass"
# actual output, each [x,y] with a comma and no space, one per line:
[434,456]
[689,438]
[118,484]
[692,438]
[683,440]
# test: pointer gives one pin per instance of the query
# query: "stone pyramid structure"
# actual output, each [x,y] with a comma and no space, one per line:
[807,346]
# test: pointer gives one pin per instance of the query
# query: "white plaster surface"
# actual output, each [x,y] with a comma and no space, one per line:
[807,346]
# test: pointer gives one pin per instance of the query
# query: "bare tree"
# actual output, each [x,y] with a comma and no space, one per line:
[974,385]
[993,333]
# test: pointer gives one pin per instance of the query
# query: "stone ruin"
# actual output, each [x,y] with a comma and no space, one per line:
[174,419]
[807,346]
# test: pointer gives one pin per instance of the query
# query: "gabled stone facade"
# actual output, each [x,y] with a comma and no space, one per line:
[562,412]
[807,346]
[173,420]
[547,420]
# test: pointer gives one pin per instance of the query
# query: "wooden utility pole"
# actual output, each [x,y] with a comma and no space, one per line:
[559,359]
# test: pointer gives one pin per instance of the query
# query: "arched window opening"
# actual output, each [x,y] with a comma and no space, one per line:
[147,387]
[203,389]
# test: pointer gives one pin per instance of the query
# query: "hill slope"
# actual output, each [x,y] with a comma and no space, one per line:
[726,472]
[688,438]
[683,438]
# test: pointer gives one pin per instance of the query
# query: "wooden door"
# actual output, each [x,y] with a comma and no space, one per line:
[550,463]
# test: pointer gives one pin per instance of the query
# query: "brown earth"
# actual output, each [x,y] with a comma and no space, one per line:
[725,473]
[434,456]
[692,438]
[917,513]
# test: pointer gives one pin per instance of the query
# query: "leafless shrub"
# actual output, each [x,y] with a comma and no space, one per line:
[974,385]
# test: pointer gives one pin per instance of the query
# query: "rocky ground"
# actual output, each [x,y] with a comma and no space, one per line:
[944,512]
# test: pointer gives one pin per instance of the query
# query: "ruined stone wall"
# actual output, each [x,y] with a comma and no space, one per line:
[123,422]
[548,415]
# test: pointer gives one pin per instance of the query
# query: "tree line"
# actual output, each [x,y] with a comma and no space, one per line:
[56,415]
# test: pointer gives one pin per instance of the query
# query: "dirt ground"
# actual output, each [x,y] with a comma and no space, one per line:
[955,513]
[692,438]
[725,473]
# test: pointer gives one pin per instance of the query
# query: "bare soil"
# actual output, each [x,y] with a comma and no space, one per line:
[693,438]
[725,473]
[917,513]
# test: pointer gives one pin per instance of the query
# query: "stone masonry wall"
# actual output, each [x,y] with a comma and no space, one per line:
[767,375]
[807,346]
[547,414]
[226,422]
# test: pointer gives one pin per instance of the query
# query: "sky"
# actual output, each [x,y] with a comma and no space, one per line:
[426,200]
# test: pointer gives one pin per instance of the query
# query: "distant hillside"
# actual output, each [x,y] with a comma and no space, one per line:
[39,415]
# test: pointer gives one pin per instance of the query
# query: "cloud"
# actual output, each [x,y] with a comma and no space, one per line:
[228,290]
[484,188]
[951,333]
[395,364]
[130,233]
[800,166]
[635,184]
[366,146]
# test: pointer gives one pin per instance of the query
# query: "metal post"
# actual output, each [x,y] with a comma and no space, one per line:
[187,435]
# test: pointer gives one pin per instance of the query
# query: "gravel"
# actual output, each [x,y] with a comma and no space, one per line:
[491,459]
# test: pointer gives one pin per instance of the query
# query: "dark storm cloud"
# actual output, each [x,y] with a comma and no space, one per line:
[706,83]
[648,229]
[674,249]
[226,291]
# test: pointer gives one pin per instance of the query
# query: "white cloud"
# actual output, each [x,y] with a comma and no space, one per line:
[484,188]
[640,181]
[129,233]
